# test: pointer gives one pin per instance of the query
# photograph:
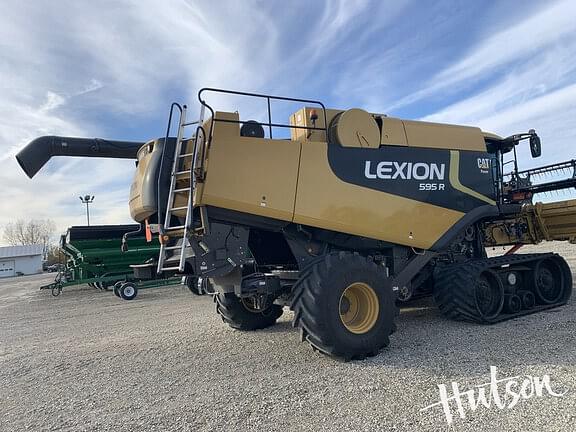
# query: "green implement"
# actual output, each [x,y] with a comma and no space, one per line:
[93,256]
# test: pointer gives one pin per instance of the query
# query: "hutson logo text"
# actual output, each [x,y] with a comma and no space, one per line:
[499,393]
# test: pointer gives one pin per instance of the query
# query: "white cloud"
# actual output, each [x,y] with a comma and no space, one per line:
[68,63]
[504,51]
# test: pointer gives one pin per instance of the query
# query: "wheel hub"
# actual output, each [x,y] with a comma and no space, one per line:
[256,304]
[359,308]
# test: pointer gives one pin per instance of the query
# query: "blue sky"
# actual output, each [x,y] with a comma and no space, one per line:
[111,69]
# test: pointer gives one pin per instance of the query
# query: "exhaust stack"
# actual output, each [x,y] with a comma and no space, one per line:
[39,151]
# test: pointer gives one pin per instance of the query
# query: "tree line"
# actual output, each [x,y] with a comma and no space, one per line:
[34,231]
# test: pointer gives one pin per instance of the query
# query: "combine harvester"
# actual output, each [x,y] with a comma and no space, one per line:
[93,256]
[336,222]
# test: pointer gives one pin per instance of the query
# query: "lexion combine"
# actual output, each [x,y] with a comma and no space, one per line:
[352,213]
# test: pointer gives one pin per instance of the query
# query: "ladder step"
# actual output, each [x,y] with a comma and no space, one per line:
[186,155]
[182,190]
[170,268]
[173,247]
[175,227]
[183,172]
[178,208]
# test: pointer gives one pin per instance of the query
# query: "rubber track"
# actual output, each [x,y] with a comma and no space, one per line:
[454,287]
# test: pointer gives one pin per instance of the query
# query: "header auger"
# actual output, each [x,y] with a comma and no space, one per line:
[354,212]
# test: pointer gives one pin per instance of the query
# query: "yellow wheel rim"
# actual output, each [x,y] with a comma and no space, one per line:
[359,308]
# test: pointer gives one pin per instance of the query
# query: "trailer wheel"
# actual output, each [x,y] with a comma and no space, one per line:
[116,288]
[128,291]
[344,306]
[242,315]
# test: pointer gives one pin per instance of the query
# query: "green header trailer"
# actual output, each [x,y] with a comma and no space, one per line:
[93,256]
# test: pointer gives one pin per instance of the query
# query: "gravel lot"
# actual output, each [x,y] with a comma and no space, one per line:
[90,361]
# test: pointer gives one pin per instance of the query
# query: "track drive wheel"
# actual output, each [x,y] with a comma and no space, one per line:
[243,314]
[345,306]
[550,282]
[128,291]
[468,292]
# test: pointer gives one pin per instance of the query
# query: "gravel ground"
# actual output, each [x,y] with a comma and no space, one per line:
[90,361]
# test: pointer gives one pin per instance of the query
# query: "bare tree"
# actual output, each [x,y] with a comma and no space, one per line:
[35,231]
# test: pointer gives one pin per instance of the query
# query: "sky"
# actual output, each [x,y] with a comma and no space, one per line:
[112,68]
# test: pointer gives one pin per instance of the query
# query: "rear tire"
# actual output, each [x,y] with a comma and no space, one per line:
[193,284]
[237,315]
[345,306]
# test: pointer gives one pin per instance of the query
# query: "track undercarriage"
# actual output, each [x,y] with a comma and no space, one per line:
[496,289]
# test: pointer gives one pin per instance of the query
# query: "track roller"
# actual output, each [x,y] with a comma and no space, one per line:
[528,299]
[512,304]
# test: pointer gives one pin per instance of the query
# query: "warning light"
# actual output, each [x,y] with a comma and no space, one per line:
[313,115]
[148,232]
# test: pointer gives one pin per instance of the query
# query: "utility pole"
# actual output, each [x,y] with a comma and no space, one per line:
[87,199]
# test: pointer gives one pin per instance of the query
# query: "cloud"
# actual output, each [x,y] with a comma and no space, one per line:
[503,51]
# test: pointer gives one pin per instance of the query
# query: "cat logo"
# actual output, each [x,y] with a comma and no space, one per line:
[484,163]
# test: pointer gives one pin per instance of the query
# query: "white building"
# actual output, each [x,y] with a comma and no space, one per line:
[20,260]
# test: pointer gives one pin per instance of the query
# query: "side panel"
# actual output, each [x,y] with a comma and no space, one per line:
[252,175]
[444,136]
[327,201]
